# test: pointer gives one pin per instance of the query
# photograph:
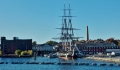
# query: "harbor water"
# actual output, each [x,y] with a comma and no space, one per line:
[24,66]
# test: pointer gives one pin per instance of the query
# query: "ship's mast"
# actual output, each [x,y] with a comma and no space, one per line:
[67,33]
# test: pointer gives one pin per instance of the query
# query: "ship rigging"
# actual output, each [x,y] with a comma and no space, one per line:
[67,33]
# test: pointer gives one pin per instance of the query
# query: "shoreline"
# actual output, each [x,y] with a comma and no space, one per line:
[105,59]
[14,56]
[115,60]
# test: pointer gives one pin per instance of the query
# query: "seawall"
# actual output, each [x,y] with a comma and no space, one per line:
[106,59]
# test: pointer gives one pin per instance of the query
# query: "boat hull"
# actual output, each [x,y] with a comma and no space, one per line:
[66,58]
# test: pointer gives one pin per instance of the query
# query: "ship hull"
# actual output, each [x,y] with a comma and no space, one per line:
[70,56]
[67,58]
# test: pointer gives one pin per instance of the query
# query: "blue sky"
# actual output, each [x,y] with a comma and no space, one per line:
[37,19]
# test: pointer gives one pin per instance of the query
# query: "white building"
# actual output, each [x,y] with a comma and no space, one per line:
[43,47]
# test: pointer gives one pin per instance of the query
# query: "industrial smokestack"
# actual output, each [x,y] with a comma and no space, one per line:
[87,34]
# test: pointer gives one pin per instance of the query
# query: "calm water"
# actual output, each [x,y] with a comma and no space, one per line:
[25,66]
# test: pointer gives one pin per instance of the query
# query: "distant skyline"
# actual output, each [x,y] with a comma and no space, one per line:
[37,19]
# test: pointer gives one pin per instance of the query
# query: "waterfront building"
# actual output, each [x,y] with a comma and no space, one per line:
[95,48]
[10,46]
[43,48]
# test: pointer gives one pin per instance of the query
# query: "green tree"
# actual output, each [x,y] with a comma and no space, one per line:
[34,43]
[18,52]
[0,52]
[99,39]
[24,53]
[82,41]
[30,52]
[52,43]
[118,42]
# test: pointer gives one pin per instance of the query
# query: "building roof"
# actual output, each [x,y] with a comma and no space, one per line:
[43,44]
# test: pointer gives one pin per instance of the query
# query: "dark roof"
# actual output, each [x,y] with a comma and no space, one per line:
[44,44]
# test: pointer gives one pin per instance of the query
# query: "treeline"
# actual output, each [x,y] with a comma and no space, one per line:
[99,40]
[110,40]
[53,43]
[19,52]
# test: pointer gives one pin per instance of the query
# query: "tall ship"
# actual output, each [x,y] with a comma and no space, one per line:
[67,39]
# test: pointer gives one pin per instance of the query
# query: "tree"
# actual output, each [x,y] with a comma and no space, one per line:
[30,52]
[24,53]
[82,41]
[118,42]
[111,40]
[34,43]
[52,43]
[0,52]
[99,39]
[18,52]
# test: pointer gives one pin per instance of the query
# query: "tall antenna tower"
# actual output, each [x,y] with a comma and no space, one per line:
[67,31]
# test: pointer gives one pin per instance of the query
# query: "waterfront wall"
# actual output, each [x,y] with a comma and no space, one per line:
[14,56]
[106,59]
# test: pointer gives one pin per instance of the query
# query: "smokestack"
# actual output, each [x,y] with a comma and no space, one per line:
[87,34]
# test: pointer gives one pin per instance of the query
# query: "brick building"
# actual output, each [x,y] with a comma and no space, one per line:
[9,46]
[95,48]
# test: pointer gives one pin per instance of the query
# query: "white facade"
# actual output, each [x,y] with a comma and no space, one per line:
[112,50]
[43,47]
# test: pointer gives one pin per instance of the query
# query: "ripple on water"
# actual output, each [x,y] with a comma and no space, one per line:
[24,66]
